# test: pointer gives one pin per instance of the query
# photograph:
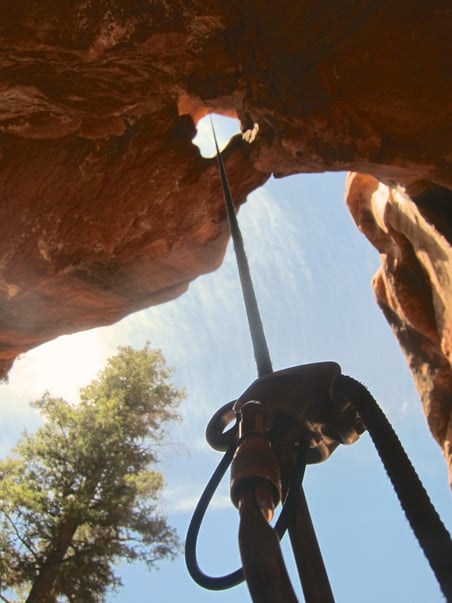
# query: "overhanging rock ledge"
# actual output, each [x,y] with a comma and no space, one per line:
[106,206]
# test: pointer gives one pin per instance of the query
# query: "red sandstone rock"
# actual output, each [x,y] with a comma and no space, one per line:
[106,206]
[413,285]
[91,232]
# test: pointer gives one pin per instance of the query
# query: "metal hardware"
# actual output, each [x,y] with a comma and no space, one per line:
[302,415]
[284,420]
[254,466]
[301,396]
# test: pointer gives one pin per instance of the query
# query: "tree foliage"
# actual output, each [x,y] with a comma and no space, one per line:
[82,492]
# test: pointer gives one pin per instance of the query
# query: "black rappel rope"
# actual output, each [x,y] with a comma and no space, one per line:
[264,366]
[427,526]
[261,353]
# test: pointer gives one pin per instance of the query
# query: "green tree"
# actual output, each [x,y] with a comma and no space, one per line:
[81,493]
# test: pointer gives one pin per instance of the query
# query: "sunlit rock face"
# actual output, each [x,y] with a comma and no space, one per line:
[106,206]
[412,230]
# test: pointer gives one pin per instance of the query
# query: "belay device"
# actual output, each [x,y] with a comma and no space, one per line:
[285,420]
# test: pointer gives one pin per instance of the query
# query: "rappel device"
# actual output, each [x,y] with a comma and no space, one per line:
[285,420]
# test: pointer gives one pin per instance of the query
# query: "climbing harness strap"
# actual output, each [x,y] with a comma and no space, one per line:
[284,421]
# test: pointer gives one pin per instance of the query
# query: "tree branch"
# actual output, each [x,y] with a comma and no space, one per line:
[4,598]
[19,537]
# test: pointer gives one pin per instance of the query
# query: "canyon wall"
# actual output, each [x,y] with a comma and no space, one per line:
[106,206]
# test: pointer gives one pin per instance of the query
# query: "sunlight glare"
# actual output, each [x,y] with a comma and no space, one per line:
[61,366]
[225,128]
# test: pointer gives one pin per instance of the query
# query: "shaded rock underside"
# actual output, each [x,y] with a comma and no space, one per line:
[106,206]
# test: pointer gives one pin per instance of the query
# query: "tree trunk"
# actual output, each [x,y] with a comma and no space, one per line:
[43,585]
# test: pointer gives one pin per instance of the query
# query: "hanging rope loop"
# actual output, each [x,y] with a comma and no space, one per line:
[304,413]
[285,420]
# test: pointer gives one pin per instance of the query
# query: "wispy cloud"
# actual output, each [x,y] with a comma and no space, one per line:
[409,407]
[184,500]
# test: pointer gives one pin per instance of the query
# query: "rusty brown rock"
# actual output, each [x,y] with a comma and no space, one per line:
[413,285]
[124,229]
[106,207]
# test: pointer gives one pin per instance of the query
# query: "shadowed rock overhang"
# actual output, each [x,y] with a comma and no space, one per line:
[107,207]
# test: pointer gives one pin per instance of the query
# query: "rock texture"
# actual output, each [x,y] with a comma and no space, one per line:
[413,285]
[106,206]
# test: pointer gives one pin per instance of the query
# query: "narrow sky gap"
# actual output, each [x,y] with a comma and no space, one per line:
[225,127]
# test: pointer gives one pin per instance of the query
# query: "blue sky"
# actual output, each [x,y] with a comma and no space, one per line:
[312,270]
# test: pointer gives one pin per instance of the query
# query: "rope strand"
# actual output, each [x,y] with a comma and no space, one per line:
[431,534]
[261,353]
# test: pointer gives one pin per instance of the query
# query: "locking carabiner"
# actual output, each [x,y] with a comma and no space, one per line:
[297,416]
